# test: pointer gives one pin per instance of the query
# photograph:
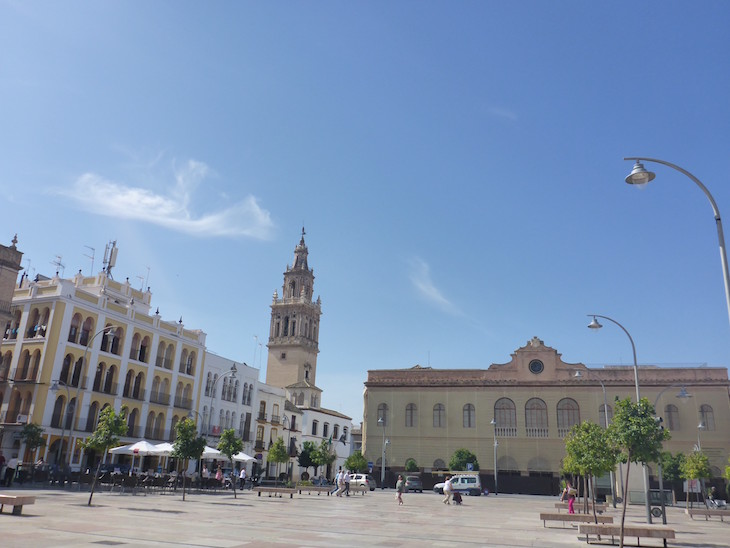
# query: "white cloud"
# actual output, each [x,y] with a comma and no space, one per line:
[173,211]
[421,279]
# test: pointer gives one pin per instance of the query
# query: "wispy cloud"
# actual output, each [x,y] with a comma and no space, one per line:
[501,112]
[173,210]
[421,279]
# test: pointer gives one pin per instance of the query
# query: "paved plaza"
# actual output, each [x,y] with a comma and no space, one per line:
[61,518]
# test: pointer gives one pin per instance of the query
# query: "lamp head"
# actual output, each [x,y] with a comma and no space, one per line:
[54,387]
[578,374]
[701,426]
[493,422]
[639,175]
[594,324]
[380,420]
[683,394]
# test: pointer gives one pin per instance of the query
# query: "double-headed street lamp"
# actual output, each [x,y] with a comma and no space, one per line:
[640,176]
[230,373]
[596,325]
[71,409]
[381,421]
[496,444]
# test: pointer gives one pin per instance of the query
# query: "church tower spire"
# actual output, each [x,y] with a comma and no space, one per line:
[294,330]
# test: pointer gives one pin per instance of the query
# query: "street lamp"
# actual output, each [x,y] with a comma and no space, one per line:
[496,444]
[578,375]
[640,176]
[596,325]
[285,424]
[700,428]
[231,373]
[381,421]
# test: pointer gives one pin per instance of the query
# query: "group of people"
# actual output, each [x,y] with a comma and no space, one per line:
[7,470]
[342,483]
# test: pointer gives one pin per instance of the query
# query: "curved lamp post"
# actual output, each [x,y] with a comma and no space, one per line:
[230,373]
[640,176]
[496,444]
[578,375]
[596,325]
[381,421]
[683,394]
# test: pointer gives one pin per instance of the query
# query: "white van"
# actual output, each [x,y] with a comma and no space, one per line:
[466,484]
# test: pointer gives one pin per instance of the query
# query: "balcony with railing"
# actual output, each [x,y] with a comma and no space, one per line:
[183,403]
[136,395]
[262,417]
[506,431]
[259,445]
[110,388]
[275,419]
[161,398]
[18,375]
[536,432]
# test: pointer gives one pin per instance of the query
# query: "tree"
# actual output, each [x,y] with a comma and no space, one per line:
[188,444]
[229,445]
[461,458]
[277,453]
[635,432]
[306,456]
[109,429]
[324,455]
[671,467]
[696,466]
[412,466]
[356,462]
[32,435]
[727,477]
[589,454]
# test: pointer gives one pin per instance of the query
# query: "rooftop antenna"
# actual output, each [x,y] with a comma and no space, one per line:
[93,254]
[28,269]
[58,263]
[110,257]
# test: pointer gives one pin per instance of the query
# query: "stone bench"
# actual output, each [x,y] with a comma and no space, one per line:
[638,531]
[573,518]
[708,512]
[315,489]
[276,491]
[578,507]
[16,501]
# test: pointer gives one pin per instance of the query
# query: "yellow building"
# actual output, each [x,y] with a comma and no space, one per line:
[74,346]
[534,399]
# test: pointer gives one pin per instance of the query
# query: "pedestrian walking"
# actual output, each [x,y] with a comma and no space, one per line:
[348,477]
[448,490]
[400,486]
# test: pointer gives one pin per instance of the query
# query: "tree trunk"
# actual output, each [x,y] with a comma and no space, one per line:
[185,467]
[96,475]
[626,498]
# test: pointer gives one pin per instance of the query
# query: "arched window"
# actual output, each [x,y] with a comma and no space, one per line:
[132,423]
[208,384]
[58,410]
[315,424]
[134,350]
[138,392]
[86,330]
[439,464]
[707,417]
[117,338]
[98,377]
[190,364]
[143,350]
[66,368]
[159,427]
[602,415]
[262,410]
[169,355]
[536,418]
[568,415]
[128,383]
[469,416]
[505,416]
[671,416]
[326,430]
[160,358]
[155,391]
[175,420]
[109,385]
[336,432]
[73,332]
[411,415]
[77,372]
[383,414]
[92,417]
[183,360]
[439,416]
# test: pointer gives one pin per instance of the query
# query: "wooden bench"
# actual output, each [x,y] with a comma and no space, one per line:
[315,489]
[578,507]
[708,512]
[16,501]
[638,531]
[276,491]
[572,518]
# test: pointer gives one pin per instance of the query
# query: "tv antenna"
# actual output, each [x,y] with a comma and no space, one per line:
[144,280]
[93,254]
[58,263]
[110,257]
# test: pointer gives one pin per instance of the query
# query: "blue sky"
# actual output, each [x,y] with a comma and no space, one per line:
[457,166]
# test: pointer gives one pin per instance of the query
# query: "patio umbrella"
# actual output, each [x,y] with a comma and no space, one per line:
[163,449]
[210,452]
[142,447]
[242,457]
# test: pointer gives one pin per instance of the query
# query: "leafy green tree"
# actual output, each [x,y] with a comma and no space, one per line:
[356,462]
[277,453]
[412,466]
[590,454]
[696,466]
[109,429]
[306,456]
[727,477]
[671,467]
[32,435]
[637,435]
[187,445]
[229,445]
[461,458]
[325,454]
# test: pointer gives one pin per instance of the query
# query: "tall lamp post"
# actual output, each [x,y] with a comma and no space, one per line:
[230,373]
[640,176]
[381,421]
[683,394]
[286,425]
[496,444]
[596,325]
[578,375]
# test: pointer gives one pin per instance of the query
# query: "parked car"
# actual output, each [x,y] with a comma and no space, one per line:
[362,480]
[413,483]
[468,484]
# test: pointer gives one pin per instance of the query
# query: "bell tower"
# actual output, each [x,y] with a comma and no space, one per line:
[294,330]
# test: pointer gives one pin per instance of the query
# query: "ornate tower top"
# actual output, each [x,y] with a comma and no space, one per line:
[300,255]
